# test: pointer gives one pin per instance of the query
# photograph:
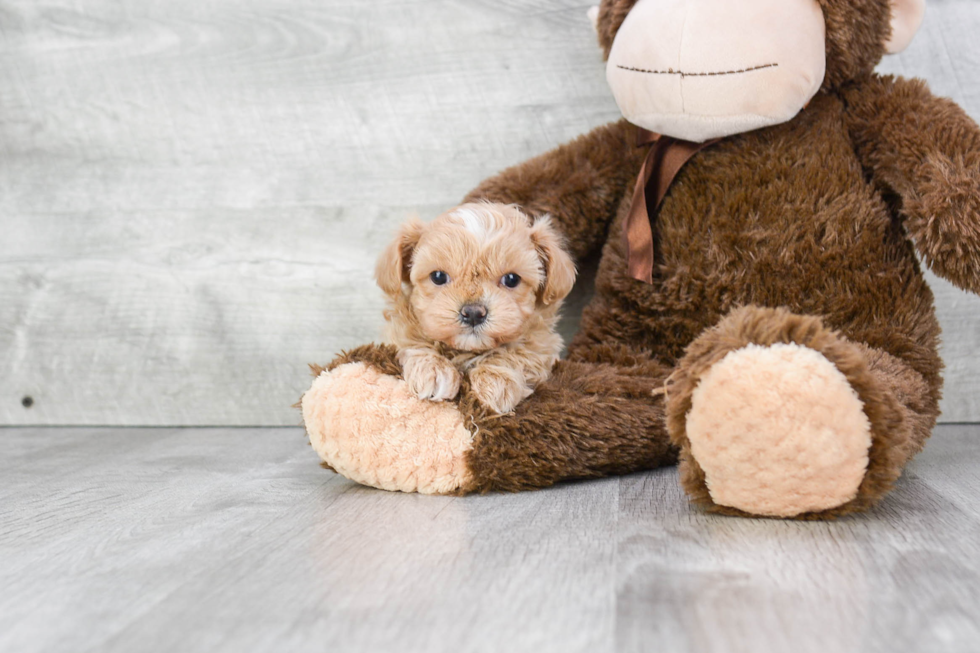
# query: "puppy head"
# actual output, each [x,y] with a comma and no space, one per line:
[477,274]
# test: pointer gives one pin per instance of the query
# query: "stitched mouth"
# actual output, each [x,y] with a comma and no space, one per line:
[681,73]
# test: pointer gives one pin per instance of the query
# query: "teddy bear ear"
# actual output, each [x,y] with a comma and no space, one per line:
[593,15]
[906,18]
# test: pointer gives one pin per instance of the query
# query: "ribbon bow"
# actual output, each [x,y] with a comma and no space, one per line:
[665,159]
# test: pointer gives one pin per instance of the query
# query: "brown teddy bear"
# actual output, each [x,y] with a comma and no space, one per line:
[759,314]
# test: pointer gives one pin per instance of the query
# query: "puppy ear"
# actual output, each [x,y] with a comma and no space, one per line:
[906,19]
[559,269]
[395,263]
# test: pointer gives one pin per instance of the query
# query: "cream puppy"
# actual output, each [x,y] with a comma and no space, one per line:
[476,292]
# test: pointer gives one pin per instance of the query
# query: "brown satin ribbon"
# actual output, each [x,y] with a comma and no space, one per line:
[665,159]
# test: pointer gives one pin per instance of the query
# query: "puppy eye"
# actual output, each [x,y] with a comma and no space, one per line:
[510,280]
[439,278]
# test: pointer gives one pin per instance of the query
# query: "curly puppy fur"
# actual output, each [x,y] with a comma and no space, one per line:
[476,291]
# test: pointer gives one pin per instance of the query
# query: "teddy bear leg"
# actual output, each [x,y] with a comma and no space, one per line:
[600,413]
[589,419]
[776,415]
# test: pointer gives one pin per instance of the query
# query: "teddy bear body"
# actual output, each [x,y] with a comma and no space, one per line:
[741,225]
[786,350]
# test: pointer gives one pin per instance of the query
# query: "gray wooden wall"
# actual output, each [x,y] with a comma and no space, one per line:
[193,192]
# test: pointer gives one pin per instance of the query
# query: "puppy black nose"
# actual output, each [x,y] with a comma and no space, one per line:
[473,314]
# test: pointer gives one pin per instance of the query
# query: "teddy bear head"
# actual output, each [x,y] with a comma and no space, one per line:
[701,69]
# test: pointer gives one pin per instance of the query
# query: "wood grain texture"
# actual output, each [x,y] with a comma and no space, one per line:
[235,540]
[194,193]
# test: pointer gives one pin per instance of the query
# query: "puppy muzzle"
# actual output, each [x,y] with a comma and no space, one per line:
[473,315]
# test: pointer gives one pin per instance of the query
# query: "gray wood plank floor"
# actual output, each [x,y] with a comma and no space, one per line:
[235,540]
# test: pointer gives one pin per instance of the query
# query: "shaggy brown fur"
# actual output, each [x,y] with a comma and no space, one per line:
[897,127]
[815,217]
[581,184]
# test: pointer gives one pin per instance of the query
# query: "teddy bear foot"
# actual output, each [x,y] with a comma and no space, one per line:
[778,416]
[778,431]
[365,423]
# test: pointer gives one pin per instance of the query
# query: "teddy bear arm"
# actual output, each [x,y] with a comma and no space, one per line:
[580,184]
[926,150]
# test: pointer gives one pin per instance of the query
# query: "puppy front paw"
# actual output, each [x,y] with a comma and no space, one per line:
[499,388]
[429,375]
